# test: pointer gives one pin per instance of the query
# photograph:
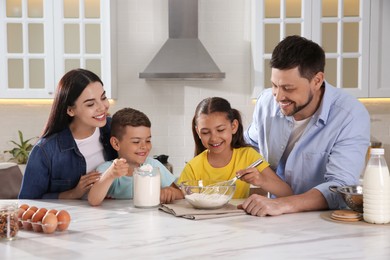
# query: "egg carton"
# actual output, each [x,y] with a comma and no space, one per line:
[40,227]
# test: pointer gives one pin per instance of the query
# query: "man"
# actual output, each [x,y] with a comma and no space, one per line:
[312,134]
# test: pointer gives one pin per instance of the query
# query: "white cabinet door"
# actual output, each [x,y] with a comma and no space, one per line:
[26,48]
[41,40]
[379,49]
[339,26]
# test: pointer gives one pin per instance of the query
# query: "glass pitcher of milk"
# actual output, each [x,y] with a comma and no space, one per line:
[147,187]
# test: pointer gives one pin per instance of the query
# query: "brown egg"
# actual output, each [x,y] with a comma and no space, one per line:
[33,208]
[54,211]
[49,223]
[20,214]
[26,218]
[44,210]
[63,218]
[36,220]
[24,206]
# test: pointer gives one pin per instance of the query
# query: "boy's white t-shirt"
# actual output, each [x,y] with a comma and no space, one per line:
[92,150]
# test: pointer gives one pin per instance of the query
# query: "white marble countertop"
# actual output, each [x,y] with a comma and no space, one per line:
[117,230]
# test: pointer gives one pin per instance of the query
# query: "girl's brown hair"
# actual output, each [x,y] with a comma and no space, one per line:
[218,104]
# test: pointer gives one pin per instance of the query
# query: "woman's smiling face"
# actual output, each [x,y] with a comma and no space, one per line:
[91,107]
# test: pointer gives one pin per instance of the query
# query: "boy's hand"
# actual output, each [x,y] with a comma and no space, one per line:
[119,168]
[169,194]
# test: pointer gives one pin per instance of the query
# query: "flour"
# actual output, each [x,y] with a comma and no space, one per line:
[207,201]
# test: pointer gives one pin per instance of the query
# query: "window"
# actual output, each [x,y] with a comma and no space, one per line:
[341,27]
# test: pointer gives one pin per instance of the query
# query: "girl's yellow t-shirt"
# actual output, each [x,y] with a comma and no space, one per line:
[200,169]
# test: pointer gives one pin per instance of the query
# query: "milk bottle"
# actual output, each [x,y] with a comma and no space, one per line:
[147,186]
[376,189]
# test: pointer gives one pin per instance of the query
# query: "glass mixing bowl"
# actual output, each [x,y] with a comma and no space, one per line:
[204,194]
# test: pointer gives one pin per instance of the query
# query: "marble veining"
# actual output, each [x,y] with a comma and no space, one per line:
[117,229]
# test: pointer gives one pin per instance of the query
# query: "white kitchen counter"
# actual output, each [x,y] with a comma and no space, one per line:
[117,230]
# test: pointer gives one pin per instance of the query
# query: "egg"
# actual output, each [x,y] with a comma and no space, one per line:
[33,208]
[36,220]
[26,219]
[63,218]
[24,206]
[54,211]
[44,210]
[49,223]
[20,214]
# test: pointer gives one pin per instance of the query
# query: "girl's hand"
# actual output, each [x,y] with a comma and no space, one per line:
[119,168]
[251,175]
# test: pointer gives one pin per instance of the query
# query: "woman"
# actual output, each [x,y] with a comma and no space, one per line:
[74,142]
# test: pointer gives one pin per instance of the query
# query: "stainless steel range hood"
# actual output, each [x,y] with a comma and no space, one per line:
[183,55]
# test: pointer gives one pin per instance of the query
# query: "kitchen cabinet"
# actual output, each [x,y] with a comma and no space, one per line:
[346,29]
[379,50]
[43,39]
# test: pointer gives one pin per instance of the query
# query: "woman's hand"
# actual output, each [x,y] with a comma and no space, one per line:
[84,185]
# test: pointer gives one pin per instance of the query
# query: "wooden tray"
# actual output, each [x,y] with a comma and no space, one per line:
[326,216]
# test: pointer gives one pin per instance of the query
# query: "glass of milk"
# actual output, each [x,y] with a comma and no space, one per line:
[147,187]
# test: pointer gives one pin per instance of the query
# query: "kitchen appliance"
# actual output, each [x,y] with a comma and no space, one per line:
[183,55]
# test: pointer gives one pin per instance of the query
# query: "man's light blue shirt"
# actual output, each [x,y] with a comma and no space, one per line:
[122,187]
[331,151]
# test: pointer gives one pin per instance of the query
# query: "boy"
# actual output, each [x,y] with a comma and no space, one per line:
[131,138]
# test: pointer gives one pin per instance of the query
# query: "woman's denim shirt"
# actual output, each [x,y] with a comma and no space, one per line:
[55,164]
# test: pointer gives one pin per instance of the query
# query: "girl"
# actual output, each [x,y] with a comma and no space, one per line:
[220,151]
[74,142]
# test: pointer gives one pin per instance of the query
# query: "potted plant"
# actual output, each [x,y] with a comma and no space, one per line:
[21,151]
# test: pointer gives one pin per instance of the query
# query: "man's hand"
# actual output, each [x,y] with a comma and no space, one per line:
[261,206]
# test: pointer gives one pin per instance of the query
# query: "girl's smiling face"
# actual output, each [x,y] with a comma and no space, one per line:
[216,132]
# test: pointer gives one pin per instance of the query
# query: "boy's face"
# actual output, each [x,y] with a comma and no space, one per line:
[135,145]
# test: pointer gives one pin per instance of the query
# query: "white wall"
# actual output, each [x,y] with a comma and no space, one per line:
[142,29]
